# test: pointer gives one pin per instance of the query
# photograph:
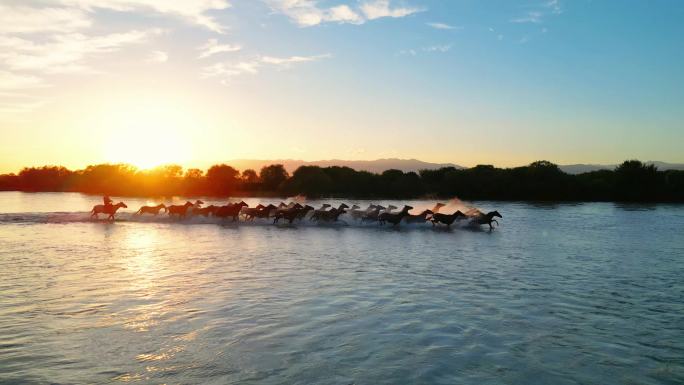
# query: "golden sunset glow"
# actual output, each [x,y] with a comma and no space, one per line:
[147,134]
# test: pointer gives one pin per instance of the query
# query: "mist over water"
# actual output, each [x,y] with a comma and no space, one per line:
[558,294]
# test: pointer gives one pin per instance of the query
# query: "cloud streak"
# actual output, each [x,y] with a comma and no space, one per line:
[308,13]
[442,26]
[253,66]
[65,52]
[212,47]
[192,11]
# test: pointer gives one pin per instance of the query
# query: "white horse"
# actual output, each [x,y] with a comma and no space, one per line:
[102,209]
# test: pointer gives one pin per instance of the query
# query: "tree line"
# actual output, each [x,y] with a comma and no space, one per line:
[541,180]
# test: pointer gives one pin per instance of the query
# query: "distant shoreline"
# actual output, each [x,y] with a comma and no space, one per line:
[276,196]
[542,181]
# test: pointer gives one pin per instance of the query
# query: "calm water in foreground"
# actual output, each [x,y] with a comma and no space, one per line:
[558,294]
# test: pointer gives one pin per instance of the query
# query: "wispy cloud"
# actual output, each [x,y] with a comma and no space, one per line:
[530,17]
[158,57]
[252,66]
[555,6]
[443,26]
[212,47]
[64,52]
[23,19]
[437,48]
[192,11]
[12,99]
[381,8]
[307,13]
[13,81]
[540,12]
[285,61]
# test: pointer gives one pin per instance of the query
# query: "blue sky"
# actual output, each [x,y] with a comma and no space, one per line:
[462,81]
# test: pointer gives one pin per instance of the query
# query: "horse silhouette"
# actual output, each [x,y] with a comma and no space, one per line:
[394,218]
[106,209]
[154,210]
[447,219]
[180,210]
[486,219]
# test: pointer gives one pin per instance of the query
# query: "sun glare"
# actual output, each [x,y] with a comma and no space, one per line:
[152,133]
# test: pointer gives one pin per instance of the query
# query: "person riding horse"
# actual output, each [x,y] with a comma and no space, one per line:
[107,201]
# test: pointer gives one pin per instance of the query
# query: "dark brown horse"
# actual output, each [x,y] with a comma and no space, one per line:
[486,219]
[447,219]
[180,210]
[418,218]
[394,218]
[372,214]
[264,212]
[296,212]
[330,215]
[231,210]
[205,211]
[250,212]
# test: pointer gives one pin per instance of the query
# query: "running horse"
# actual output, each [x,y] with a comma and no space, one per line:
[394,218]
[154,210]
[231,210]
[486,219]
[106,209]
[180,210]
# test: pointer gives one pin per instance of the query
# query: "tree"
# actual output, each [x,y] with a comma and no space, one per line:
[635,181]
[222,179]
[310,181]
[249,176]
[273,176]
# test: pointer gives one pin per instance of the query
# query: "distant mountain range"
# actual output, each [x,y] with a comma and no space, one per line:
[374,166]
[406,165]
[582,168]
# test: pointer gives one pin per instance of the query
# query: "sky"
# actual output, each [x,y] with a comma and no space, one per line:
[470,82]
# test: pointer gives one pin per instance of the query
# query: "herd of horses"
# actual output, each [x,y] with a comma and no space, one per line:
[297,212]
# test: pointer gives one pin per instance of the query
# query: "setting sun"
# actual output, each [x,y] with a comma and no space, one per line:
[154,133]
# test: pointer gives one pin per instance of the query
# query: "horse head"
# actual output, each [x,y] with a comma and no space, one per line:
[343,206]
[121,204]
[355,207]
[407,208]
[494,214]
[243,204]
[391,207]
[426,212]
[259,206]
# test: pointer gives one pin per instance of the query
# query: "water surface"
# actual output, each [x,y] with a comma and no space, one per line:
[558,294]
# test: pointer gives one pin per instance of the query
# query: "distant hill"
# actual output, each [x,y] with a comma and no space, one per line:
[375,166]
[406,165]
[582,168]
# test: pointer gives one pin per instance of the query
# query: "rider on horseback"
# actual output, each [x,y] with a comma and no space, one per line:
[107,201]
